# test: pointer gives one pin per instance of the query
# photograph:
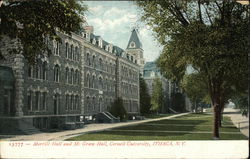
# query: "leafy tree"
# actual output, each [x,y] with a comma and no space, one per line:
[195,88]
[178,102]
[31,21]
[117,109]
[211,36]
[145,99]
[157,98]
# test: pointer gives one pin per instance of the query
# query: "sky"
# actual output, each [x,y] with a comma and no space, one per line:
[114,20]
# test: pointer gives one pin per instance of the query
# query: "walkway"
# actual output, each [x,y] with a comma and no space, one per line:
[62,135]
[239,121]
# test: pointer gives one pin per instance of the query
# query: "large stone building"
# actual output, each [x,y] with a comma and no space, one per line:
[81,78]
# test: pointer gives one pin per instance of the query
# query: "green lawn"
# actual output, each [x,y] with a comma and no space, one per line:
[153,116]
[192,127]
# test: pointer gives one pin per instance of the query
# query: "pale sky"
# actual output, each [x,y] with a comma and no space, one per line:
[114,20]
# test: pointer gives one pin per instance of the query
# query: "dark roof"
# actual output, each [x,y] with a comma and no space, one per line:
[134,38]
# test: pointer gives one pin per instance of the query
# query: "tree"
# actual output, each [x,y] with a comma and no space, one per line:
[211,36]
[31,21]
[145,99]
[195,88]
[178,102]
[157,98]
[117,109]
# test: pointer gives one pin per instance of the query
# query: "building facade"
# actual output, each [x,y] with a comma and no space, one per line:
[81,78]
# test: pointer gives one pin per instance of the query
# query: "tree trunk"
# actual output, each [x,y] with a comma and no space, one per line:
[216,122]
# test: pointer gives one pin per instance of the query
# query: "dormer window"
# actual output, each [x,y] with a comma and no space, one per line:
[94,41]
[100,42]
[132,44]
[106,47]
[110,48]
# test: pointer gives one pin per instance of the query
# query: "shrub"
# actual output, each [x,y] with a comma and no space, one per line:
[117,109]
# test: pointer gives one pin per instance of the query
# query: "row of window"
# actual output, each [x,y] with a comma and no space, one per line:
[129,89]
[72,76]
[72,102]
[38,71]
[100,64]
[71,52]
[130,106]
[126,72]
[37,101]
[93,82]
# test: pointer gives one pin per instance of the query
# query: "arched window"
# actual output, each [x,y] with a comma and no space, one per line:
[76,77]
[88,59]
[44,70]
[43,100]
[71,51]
[87,82]
[76,54]
[93,61]
[72,102]
[93,81]
[67,75]
[67,50]
[30,100]
[67,102]
[93,103]
[56,73]
[72,76]
[76,102]
[100,64]
[100,83]
[87,104]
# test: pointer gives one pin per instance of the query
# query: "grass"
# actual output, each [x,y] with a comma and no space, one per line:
[153,116]
[189,126]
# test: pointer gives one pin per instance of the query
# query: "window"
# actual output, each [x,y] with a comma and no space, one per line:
[56,73]
[56,47]
[30,100]
[93,81]
[72,76]
[93,61]
[67,102]
[44,70]
[67,50]
[37,101]
[76,54]
[72,102]
[100,83]
[100,63]
[87,81]
[93,103]
[76,77]
[88,59]
[71,52]
[67,75]
[87,104]
[43,101]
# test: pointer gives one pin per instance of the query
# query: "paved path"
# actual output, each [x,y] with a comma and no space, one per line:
[62,135]
[239,121]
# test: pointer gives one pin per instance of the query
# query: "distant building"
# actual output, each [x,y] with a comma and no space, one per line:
[150,73]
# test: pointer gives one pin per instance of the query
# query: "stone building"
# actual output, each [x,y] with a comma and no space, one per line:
[81,78]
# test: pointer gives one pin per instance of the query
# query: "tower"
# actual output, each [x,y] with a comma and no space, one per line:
[134,48]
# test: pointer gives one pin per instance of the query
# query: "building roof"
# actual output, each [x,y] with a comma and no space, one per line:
[149,68]
[134,38]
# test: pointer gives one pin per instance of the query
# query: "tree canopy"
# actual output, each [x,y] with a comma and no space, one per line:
[157,99]
[31,21]
[211,36]
[145,99]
